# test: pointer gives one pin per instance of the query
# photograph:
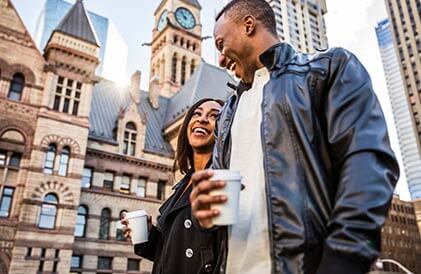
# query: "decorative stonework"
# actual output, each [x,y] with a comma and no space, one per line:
[65,196]
[8,70]
[16,37]
[14,108]
[60,142]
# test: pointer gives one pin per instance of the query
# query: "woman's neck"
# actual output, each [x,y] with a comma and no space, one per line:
[200,160]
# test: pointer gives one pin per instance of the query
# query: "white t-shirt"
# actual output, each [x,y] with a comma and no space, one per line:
[248,247]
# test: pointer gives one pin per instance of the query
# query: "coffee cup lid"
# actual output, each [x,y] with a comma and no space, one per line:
[137,213]
[225,175]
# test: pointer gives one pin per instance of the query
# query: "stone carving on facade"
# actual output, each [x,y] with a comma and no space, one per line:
[63,192]
[60,142]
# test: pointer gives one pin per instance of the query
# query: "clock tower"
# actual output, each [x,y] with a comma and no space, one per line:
[176,44]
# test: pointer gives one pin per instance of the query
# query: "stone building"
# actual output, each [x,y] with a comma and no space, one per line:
[76,150]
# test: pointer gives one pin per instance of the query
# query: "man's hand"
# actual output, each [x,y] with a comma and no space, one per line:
[201,200]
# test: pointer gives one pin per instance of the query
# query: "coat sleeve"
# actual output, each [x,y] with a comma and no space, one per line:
[365,167]
[148,250]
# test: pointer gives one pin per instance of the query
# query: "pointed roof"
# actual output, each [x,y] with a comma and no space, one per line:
[193,2]
[206,81]
[76,23]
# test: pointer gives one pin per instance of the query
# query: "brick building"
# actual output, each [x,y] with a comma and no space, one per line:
[401,239]
[76,150]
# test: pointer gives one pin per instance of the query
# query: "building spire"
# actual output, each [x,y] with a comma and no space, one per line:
[76,23]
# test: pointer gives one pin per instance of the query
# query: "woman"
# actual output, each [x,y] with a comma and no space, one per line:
[175,245]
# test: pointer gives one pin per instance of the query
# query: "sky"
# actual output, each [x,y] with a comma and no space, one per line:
[350,24]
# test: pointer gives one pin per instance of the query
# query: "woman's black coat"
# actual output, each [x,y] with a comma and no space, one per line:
[176,245]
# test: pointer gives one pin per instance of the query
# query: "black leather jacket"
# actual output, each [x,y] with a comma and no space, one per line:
[329,168]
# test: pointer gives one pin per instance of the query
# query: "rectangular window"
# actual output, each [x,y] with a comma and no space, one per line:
[6,201]
[125,184]
[15,160]
[2,157]
[105,263]
[141,187]
[161,190]
[133,265]
[108,181]
[76,264]
[86,177]
[67,96]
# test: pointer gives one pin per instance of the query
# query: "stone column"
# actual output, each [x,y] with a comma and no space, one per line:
[117,182]
[133,185]
[98,179]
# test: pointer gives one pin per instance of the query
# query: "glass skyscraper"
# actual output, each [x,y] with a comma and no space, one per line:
[113,50]
[400,106]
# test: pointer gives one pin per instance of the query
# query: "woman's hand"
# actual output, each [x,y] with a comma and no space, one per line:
[127,231]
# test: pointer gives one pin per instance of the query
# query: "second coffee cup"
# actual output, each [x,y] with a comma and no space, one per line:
[228,210]
[138,223]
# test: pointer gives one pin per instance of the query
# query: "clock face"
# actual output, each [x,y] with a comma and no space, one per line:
[162,22]
[185,18]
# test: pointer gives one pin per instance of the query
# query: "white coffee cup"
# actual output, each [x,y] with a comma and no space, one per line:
[138,223]
[228,210]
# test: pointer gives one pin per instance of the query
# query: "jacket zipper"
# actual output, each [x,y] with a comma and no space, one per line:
[268,196]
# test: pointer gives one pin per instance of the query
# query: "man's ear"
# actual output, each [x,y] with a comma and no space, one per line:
[249,23]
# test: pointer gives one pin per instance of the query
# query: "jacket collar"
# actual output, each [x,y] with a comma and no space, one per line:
[273,58]
[277,56]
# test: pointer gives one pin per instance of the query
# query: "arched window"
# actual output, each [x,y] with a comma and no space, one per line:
[119,232]
[192,67]
[81,221]
[16,87]
[49,159]
[64,162]
[130,135]
[104,225]
[47,217]
[174,68]
[183,70]
[175,39]
[182,42]
[188,44]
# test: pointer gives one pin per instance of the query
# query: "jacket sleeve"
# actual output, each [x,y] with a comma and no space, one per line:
[148,250]
[365,167]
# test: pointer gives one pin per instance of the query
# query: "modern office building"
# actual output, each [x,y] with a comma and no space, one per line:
[400,106]
[405,21]
[401,240]
[113,49]
[301,23]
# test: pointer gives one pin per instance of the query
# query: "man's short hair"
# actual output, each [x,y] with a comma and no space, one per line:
[260,9]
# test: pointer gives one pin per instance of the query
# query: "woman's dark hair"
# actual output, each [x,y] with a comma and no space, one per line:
[184,154]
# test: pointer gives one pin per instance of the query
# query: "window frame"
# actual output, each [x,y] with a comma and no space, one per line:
[67,96]
[85,221]
[125,190]
[105,221]
[90,178]
[48,204]
[130,139]
[13,83]
[65,152]
[50,170]
[10,196]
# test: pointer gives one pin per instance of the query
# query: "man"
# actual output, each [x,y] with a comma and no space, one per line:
[309,138]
